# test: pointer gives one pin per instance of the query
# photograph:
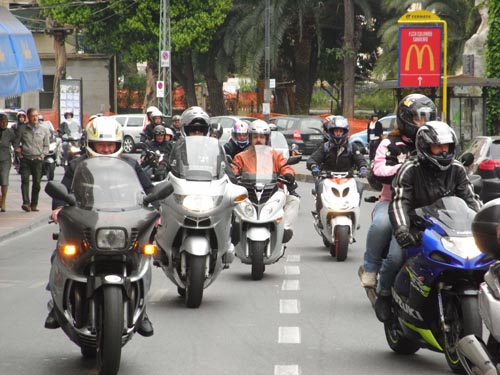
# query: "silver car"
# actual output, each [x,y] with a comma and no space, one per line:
[132,125]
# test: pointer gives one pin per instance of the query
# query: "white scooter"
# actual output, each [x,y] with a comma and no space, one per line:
[258,221]
[338,219]
[194,236]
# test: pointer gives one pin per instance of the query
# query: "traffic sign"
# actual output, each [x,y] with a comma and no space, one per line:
[160,89]
[420,56]
[165,59]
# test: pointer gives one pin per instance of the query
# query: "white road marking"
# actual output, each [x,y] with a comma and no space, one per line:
[286,370]
[38,285]
[292,270]
[289,306]
[293,258]
[289,335]
[290,285]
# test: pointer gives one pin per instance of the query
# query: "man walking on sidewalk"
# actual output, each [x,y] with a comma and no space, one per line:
[32,144]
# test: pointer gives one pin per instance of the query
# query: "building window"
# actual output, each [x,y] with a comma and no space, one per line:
[47,95]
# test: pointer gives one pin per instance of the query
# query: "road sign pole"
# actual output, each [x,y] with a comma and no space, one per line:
[426,17]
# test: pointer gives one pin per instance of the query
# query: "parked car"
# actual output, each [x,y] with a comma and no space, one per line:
[11,116]
[486,151]
[361,138]
[304,131]
[132,128]
[227,123]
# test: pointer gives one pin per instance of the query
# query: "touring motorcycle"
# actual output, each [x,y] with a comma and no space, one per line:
[101,269]
[435,294]
[477,356]
[194,236]
[338,218]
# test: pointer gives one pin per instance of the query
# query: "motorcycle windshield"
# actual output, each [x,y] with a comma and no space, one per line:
[107,184]
[262,159]
[279,143]
[452,213]
[198,158]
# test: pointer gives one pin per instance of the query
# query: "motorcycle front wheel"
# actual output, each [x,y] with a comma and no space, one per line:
[397,341]
[195,279]
[109,330]
[257,250]
[49,171]
[340,246]
[462,316]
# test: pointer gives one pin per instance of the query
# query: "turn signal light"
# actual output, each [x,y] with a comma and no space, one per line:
[240,198]
[149,249]
[69,250]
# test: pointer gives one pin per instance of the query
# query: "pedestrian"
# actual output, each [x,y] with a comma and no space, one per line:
[31,144]
[7,141]
[374,132]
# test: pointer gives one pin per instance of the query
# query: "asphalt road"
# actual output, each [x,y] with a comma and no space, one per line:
[308,315]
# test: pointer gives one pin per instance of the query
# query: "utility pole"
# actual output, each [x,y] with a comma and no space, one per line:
[165,61]
[266,105]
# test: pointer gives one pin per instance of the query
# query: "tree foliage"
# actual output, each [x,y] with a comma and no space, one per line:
[492,67]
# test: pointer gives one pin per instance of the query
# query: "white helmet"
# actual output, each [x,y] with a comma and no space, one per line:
[195,118]
[103,129]
[260,127]
[151,109]
[156,113]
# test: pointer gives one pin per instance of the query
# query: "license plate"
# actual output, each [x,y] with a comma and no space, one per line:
[315,137]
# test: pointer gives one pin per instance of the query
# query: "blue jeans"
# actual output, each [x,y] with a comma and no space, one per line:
[378,237]
[392,263]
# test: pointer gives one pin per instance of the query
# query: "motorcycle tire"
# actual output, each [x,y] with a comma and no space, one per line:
[195,280]
[340,246]
[88,351]
[397,341]
[50,171]
[462,315]
[257,250]
[109,330]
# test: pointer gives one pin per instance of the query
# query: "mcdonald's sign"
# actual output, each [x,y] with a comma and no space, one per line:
[419,56]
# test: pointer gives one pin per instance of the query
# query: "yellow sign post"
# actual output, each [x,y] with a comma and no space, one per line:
[426,17]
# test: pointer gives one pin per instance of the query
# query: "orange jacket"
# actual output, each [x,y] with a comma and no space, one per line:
[245,162]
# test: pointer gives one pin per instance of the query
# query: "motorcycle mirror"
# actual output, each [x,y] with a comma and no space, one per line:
[294,160]
[467,159]
[57,190]
[160,191]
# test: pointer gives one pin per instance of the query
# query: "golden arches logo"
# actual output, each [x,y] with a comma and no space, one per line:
[419,52]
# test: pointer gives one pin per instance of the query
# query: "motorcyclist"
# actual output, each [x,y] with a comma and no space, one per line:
[260,134]
[216,130]
[161,143]
[239,139]
[64,127]
[176,127]
[104,137]
[156,119]
[336,155]
[413,111]
[420,181]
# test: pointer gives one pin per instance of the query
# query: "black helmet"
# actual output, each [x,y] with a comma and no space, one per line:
[486,228]
[436,133]
[414,105]
[337,122]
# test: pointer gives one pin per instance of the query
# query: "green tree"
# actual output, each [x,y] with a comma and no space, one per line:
[492,67]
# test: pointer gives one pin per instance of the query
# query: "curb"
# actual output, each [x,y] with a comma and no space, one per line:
[23,229]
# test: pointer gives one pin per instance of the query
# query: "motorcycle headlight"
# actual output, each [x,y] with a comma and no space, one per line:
[269,210]
[464,247]
[111,238]
[198,203]
[248,210]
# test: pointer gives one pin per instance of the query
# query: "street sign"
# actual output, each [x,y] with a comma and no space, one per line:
[160,89]
[420,56]
[165,59]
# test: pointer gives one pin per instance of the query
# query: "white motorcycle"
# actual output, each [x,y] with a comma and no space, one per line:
[258,226]
[194,236]
[338,218]
[477,357]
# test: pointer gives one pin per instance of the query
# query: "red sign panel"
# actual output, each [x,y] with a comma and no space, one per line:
[420,56]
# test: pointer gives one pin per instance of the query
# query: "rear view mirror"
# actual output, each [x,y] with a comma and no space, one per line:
[467,159]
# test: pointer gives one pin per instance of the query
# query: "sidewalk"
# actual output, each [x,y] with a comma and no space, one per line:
[16,221]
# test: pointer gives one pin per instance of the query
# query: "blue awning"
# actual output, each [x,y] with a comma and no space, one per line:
[20,69]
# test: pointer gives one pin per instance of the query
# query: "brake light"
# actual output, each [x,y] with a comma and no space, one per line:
[489,165]
[296,135]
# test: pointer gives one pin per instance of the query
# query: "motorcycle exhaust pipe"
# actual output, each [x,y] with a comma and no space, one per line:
[472,349]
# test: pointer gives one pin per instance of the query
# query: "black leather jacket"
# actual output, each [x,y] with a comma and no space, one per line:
[333,159]
[417,184]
